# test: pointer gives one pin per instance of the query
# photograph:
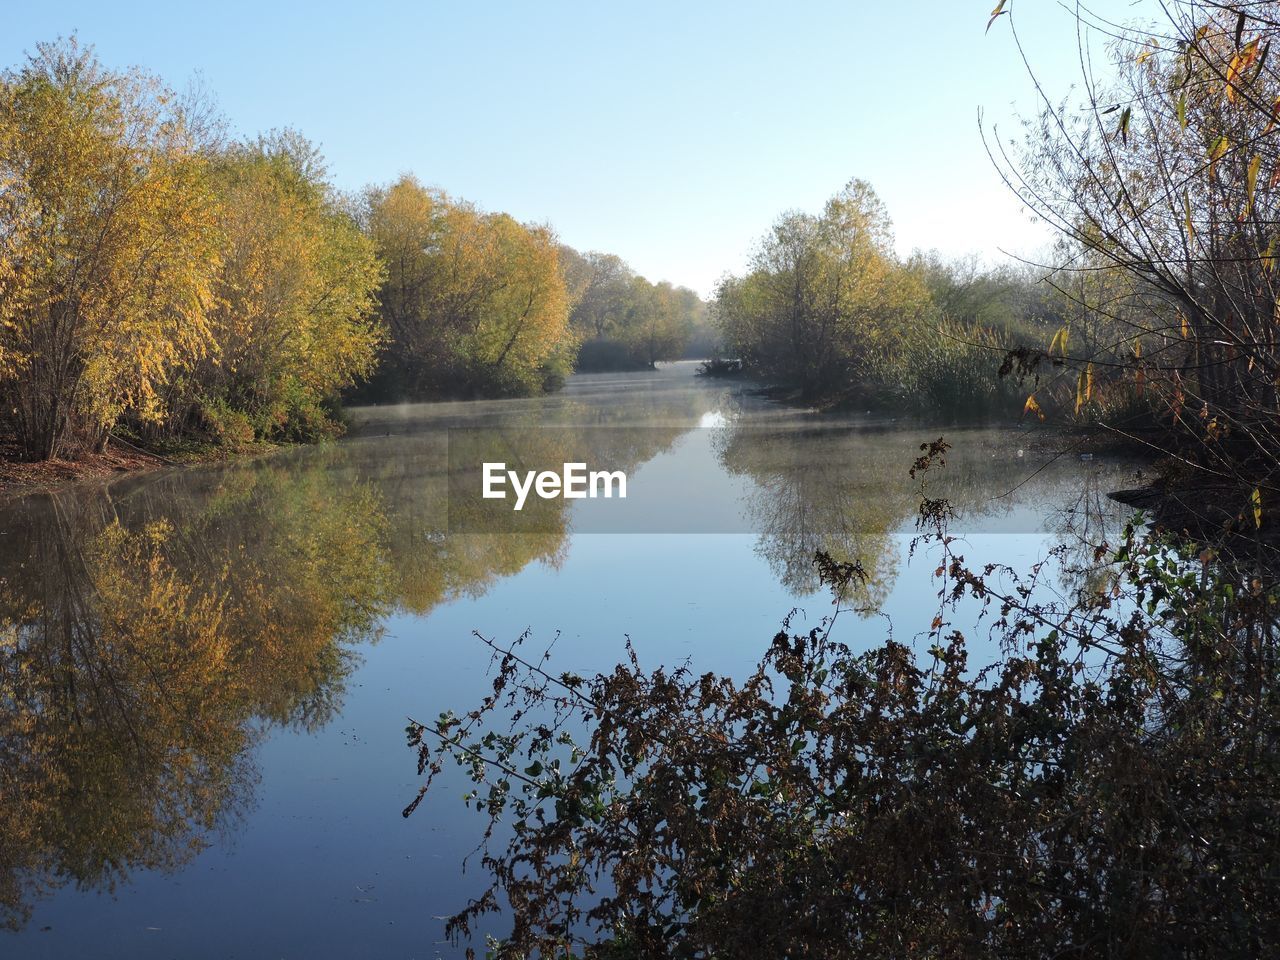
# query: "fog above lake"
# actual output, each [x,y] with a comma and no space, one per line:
[209,669]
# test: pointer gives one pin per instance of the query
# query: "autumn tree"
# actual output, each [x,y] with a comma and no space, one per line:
[575,270]
[657,321]
[292,318]
[623,320]
[604,296]
[949,366]
[1164,172]
[108,257]
[825,301]
[473,302]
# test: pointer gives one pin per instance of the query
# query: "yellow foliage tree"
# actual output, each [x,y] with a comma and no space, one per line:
[292,318]
[826,300]
[473,302]
[107,252]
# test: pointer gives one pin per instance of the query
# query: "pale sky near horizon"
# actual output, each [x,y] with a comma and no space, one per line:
[671,134]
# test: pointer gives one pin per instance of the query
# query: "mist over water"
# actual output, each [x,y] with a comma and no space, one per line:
[208,670]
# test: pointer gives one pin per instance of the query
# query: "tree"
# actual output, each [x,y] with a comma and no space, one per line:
[108,256]
[473,302]
[825,302]
[292,320]
[657,321]
[625,321]
[604,298]
[518,337]
[1165,177]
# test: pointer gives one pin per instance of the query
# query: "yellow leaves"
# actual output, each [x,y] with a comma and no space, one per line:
[295,293]
[1059,342]
[1238,65]
[1084,387]
[1032,406]
[997,12]
[1187,222]
[117,222]
[480,296]
[1256,500]
[1251,182]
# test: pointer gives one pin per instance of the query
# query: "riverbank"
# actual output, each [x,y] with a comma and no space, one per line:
[121,457]
[16,473]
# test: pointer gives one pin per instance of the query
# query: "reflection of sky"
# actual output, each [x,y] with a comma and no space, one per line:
[681,490]
[325,866]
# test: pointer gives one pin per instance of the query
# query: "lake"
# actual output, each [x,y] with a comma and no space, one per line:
[206,672]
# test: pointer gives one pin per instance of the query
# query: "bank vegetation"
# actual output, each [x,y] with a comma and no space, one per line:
[168,286]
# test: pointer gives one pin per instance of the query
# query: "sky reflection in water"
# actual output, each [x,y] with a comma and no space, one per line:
[206,672]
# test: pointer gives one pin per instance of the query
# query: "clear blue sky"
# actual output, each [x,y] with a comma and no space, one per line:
[671,134]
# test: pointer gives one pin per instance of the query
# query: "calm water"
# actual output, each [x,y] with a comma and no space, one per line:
[205,673]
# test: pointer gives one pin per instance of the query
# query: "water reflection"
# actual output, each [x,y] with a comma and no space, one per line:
[808,496]
[846,490]
[154,631]
[143,635]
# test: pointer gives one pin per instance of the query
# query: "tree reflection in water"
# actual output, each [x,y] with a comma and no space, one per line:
[154,629]
[847,493]
[141,643]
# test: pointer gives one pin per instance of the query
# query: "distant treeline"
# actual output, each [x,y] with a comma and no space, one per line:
[477,304]
[827,308]
[162,280]
[625,322]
